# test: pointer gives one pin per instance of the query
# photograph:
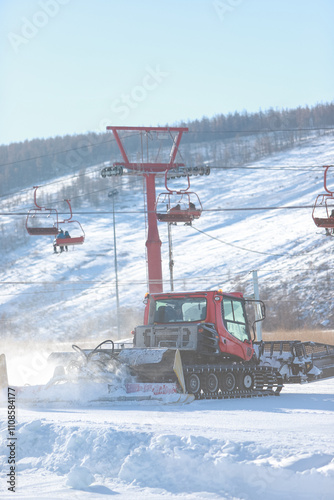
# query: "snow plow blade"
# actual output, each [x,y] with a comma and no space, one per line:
[104,375]
[147,365]
[3,373]
[78,394]
[154,365]
[144,391]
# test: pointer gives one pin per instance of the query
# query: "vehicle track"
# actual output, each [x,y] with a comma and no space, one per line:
[232,381]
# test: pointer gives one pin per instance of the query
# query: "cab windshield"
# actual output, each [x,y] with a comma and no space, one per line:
[178,310]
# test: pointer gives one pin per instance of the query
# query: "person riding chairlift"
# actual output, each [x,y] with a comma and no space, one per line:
[177,208]
[330,232]
[60,236]
[67,235]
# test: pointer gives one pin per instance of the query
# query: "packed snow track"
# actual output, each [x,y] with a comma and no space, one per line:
[261,448]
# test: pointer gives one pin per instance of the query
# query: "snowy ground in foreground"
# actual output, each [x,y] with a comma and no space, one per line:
[266,448]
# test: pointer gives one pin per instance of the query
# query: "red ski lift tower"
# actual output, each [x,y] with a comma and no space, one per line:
[149,169]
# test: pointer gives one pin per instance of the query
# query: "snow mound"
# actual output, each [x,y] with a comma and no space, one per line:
[194,464]
[169,463]
[79,477]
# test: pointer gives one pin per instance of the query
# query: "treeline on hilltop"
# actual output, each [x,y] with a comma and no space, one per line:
[34,162]
[230,125]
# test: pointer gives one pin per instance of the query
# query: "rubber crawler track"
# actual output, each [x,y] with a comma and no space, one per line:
[232,381]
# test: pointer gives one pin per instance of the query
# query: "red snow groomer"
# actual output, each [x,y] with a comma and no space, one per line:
[204,344]
[192,345]
[215,337]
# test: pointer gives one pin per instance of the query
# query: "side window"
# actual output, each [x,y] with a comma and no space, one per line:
[238,312]
[234,318]
[228,310]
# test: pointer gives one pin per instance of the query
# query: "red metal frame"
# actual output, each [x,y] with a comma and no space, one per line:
[47,212]
[53,230]
[176,191]
[150,169]
[154,167]
[77,240]
[321,202]
[327,167]
[65,242]
[174,214]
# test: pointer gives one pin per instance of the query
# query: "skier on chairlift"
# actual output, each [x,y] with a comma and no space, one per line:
[175,209]
[60,236]
[66,235]
[330,232]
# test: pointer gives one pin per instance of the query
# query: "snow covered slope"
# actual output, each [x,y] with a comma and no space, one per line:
[270,448]
[70,296]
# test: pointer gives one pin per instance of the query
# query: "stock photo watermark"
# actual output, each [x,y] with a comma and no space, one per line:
[123,105]
[37,363]
[11,444]
[31,27]
[225,7]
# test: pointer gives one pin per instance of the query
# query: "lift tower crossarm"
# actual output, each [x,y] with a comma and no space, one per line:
[149,166]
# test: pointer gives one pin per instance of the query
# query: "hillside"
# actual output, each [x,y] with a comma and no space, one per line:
[38,161]
[66,297]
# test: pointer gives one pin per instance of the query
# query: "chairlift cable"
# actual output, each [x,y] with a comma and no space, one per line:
[142,211]
[237,246]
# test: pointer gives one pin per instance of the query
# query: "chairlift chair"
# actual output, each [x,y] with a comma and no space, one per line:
[41,221]
[323,209]
[75,227]
[72,240]
[178,207]
[175,206]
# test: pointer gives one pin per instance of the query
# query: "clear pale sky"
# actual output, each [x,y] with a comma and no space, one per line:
[72,66]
